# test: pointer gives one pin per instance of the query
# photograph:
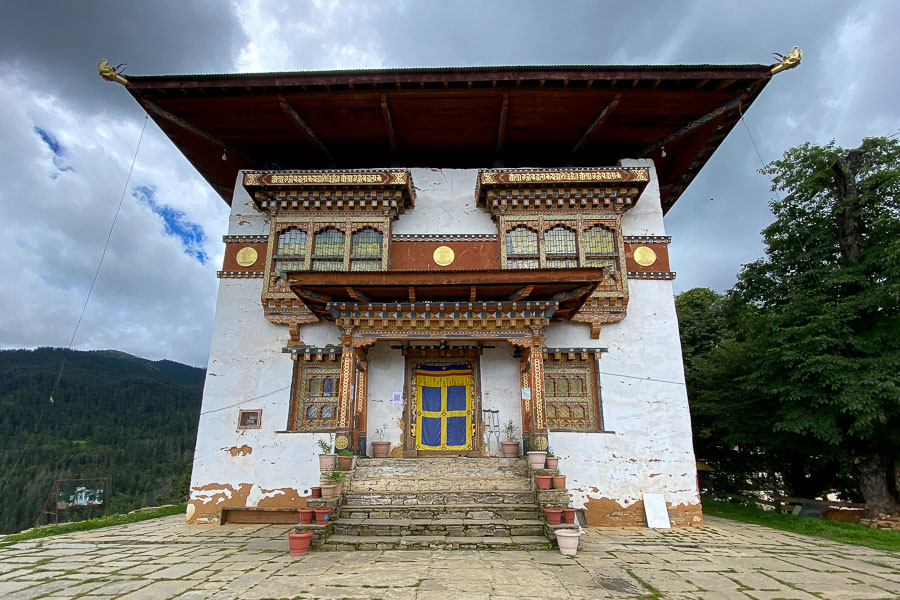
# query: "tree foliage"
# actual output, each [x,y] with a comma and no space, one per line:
[113,415]
[804,376]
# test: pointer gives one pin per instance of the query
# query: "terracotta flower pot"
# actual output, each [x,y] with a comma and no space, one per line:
[326,462]
[568,541]
[552,462]
[323,515]
[510,449]
[338,488]
[559,482]
[299,542]
[327,492]
[542,481]
[316,492]
[345,463]
[568,515]
[554,515]
[536,459]
[381,449]
[306,515]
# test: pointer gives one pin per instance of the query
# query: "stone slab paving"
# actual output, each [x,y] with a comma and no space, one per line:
[165,559]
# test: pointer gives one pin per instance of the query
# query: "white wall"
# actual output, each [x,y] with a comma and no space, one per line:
[647,443]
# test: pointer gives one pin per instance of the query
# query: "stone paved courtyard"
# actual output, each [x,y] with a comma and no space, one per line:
[163,558]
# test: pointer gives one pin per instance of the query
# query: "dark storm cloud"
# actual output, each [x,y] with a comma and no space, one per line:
[59,43]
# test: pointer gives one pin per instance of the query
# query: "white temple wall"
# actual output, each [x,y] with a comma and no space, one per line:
[645,447]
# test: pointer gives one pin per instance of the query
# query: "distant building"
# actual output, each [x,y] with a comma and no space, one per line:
[424,255]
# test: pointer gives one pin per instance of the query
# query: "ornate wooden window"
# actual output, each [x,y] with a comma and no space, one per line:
[559,248]
[290,251]
[522,248]
[570,397]
[600,249]
[315,402]
[365,250]
[328,252]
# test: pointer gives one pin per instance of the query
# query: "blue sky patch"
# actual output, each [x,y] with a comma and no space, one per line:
[192,235]
[55,147]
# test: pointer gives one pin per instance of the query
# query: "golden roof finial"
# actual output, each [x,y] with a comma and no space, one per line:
[110,73]
[787,61]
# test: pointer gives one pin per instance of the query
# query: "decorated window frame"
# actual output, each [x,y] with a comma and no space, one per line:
[561,242]
[572,396]
[315,396]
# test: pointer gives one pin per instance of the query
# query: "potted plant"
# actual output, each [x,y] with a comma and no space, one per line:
[299,542]
[380,449]
[567,539]
[316,492]
[542,479]
[345,460]
[323,515]
[306,515]
[537,458]
[559,482]
[551,459]
[326,458]
[568,515]
[511,445]
[554,515]
[337,478]
[327,492]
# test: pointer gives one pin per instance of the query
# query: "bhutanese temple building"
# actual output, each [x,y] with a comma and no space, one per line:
[421,256]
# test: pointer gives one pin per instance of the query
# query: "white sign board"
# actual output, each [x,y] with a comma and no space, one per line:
[397,398]
[526,393]
[656,511]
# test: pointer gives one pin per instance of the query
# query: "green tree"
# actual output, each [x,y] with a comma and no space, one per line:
[811,356]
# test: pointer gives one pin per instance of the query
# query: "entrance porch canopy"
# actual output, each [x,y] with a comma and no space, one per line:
[555,294]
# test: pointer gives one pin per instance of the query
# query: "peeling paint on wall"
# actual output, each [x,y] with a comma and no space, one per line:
[239,451]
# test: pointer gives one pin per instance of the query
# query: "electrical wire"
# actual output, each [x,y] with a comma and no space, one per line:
[87,299]
[756,148]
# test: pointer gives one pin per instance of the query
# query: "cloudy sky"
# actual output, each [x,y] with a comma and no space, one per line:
[68,137]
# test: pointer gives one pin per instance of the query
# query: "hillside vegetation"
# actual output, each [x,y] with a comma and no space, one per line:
[113,415]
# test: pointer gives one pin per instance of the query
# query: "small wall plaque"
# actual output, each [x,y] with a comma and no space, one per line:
[443,255]
[247,256]
[250,419]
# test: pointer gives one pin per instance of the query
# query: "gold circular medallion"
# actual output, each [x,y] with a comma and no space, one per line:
[644,256]
[539,443]
[443,255]
[341,442]
[247,256]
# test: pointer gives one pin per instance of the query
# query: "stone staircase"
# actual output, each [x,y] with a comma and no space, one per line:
[426,503]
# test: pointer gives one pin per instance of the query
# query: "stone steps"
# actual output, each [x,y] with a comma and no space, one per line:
[434,542]
[439,527]
[442,511]
[438,498]
[426,503]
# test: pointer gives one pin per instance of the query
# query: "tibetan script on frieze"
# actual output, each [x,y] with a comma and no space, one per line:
[325,178]
[565,176]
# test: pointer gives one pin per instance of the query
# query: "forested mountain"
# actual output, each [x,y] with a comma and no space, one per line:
[113,415]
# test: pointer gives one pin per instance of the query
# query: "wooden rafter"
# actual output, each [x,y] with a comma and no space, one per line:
[716,112]
[501,131]
[521,294]
[304,127]
[184,124]
[388,123]
[597,122]
[472,291]
[357,295]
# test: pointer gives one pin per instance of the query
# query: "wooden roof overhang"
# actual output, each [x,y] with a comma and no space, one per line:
[554,294]
[547,116]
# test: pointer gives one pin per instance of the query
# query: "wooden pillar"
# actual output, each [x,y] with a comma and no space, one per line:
[538,434]
[359,441]
[344,429]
